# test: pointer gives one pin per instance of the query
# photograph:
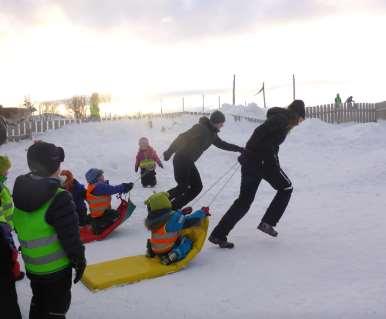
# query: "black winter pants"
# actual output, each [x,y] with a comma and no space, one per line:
[9,306]
[148,178]
[51,298]
[251,176]
[188,180]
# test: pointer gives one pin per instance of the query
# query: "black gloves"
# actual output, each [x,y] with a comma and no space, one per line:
[127,187]
[79,267]
[167,155]
[241,150]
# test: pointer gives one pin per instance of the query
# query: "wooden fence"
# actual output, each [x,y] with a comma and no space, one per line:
[357,112]
[343,113]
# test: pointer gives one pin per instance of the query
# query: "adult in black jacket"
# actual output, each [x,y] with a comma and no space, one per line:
[9,306]
[260,161]
[188,147]
[51,292]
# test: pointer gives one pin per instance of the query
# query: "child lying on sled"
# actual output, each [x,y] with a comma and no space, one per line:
[165,225]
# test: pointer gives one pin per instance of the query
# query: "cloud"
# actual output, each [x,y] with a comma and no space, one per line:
[180,19]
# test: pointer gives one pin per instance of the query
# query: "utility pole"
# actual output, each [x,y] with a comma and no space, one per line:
[234,89]
[265,106]
[293,86]
[183,105]
[161,107]
[219,102]
[203,103]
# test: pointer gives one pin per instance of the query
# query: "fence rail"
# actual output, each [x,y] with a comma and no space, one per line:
[343,113]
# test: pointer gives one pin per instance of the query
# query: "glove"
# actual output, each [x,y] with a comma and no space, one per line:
[206,211]
[167,155]
[136,169]
[127,187]
[79,267]
[161,165]
[241,150]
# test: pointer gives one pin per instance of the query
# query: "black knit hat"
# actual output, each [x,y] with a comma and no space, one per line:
[298,107]
[44,158]
[217,117]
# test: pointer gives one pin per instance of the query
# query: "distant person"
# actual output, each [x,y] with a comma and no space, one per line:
[147,159]
[260,161]
[350,101]
[188,148]
[338,100]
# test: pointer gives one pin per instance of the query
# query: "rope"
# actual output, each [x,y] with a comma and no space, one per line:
[222,188]
[233,167]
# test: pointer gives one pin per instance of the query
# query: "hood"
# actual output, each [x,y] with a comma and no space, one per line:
[276,111]
[206,122]
[30,192]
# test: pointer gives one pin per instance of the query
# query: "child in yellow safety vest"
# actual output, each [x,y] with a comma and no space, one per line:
[6,213]
[147,159]
[166,225]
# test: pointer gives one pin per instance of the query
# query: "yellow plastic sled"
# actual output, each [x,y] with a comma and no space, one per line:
[136,268]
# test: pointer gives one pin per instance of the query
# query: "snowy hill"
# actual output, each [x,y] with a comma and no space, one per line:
[251,110]
[329,260]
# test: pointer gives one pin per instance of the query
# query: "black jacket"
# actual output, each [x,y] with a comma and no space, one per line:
[31,192]
[192,143]
[265,140]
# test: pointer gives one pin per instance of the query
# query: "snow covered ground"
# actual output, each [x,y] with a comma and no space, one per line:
[329,260]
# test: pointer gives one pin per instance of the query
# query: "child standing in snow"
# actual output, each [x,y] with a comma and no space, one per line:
[146,160]
[98,197]
[48,232]
[6,214]
[165,225]
[78,192]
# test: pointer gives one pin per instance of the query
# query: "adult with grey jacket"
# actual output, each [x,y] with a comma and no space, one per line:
[260,161]
[188,147]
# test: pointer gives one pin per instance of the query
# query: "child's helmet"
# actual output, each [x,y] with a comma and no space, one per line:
[158,202]
[93,174]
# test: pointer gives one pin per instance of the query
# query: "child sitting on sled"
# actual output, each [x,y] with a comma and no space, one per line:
[165,225]
[146,160]
[78,192]
[98,197]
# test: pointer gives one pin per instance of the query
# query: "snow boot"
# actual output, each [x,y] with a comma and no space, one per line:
[268,229]
[222,243]
[169,258]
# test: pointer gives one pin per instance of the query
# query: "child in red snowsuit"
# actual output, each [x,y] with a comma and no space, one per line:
[146,160]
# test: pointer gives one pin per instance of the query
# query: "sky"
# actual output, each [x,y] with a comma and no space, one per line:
[151,53]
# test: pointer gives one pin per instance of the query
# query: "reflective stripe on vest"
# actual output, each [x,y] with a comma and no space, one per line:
[44,259]
[97,204]
[38,242]
[41,249]
[162,241]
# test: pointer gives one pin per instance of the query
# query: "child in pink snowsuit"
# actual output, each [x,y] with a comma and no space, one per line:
[147,159]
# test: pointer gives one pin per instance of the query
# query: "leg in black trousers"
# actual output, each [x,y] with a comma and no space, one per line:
[51,298]
[188,180]
[250,180]
[279,181]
